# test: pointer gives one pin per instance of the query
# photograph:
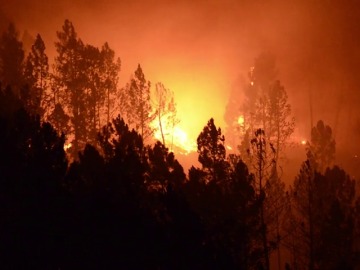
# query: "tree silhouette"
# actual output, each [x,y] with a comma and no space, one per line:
[292,232]
[164,169]
[212,152]
[263,165]
[11,59]
[165,106]
[281,125]
[71,79]
[224,194]
[110,71]
[32,170]
[85,84]
[321,148]
[266,106]
[337,196]
[91,168]
[321,204]
[261,76]
[274,205]
[37,77]
[60,119]
[266,112]
[123,150]
[135,104]
[94,94]
[242,196]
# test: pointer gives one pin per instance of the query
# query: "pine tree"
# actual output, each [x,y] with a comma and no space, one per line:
[59,119]
[242,196]
[123,150]
[164,170]
[135,104]
[266,109]
[263,163]
[70,77]
[94,93]
[323,205]
[321,149]
[266,105]
[11,59]
[37,78]
[281,124]
[223,192]
[260,77]
[212,153]
[109,78]
[274,205]
[165,106]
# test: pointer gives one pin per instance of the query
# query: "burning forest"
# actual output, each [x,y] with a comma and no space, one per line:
[184,135]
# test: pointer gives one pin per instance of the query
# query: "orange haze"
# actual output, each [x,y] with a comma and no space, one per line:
[200,48]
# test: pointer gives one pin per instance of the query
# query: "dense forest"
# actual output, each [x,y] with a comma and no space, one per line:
[85,184]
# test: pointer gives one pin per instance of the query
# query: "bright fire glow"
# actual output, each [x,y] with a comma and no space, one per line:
[195,96]
[303,142]
[241,120]
[181,140]
[67,146]
[198,89]
[178,138]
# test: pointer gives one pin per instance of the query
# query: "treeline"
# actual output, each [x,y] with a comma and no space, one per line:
[80,93]
[124,203]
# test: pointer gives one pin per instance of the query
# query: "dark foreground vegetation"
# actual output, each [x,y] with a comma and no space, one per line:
[132,207]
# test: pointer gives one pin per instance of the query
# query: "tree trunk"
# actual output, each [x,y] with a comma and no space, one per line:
[263,225]
[161,130]
[311,231]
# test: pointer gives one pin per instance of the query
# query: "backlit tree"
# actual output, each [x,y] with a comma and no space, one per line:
[37,78]
[11,59]
[212,153]
[70,78]
[321,148]
[135,105]
[165,107]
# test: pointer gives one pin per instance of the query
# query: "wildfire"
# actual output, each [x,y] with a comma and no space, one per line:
[67,146]
[241,120]
[177,137]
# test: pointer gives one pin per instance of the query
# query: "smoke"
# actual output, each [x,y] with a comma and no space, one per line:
[200,48]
